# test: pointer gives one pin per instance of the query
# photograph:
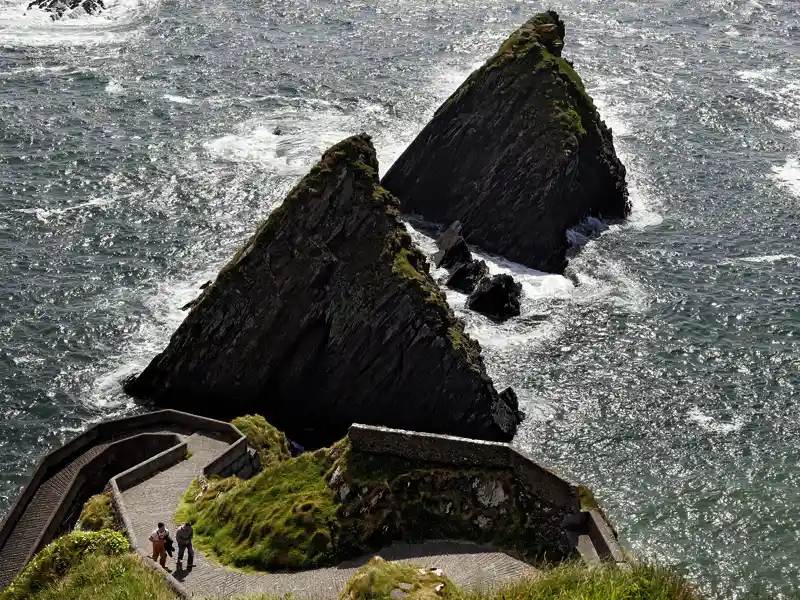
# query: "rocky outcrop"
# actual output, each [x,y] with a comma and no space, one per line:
[466,275]
[57,8]
[518,154]
[497,297]
[326,317]
[452,248]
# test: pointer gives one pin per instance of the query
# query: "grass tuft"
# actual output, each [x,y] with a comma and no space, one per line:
[97,513]
[99,577]
[271,444]
[59,557]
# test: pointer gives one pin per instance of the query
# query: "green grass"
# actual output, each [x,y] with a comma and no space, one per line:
[283,518]
[271,444]
[99,577]
[578,582]
[97,513]
[377,579]
[59,557]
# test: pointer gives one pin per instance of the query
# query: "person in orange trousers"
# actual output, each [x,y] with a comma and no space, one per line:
[158,539]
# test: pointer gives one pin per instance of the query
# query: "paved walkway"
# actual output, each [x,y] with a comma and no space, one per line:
[157,498]
[33,520]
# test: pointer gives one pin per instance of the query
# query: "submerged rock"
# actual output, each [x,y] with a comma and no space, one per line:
[57,8]
[518,154]
[466,275]
[497,297]
[326,317]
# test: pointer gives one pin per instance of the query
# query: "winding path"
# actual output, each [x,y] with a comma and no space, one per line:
[157,498]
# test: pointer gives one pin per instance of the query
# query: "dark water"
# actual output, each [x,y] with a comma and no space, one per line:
[137,152]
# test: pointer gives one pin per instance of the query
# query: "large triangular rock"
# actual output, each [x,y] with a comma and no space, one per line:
[326,317]
[518,154]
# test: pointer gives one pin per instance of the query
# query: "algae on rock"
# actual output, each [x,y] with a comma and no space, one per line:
[518,154]
[328,316]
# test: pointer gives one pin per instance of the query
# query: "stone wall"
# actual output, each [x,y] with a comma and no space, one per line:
[552,503]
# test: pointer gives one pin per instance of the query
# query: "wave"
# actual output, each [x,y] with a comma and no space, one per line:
[788,175]
[22,27]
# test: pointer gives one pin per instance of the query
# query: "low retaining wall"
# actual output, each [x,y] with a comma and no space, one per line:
[538,480]
[548,493]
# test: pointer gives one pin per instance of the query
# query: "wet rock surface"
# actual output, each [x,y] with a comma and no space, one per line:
[466,275]
[326,317]
[518,154]
[497,297]
[57,8]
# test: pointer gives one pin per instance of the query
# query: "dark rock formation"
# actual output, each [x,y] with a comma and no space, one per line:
[452,248]
[497,297]
[326,317]
[57,8]
[466,275]
[518,154]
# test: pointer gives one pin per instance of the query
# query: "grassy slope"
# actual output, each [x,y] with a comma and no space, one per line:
[99,577]
[53,562]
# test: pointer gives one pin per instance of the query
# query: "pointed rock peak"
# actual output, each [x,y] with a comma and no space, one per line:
[518,154]
[545,28]
[328,316]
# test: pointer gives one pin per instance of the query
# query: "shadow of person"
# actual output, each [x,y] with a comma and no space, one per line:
[180,573]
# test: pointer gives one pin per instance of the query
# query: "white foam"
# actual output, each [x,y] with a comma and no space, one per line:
[788,175]
[770,258]
[115,88]
[178,99]
[44,214]
[783,124]
[303,136]
[713,425]
[22,27]
[757,74]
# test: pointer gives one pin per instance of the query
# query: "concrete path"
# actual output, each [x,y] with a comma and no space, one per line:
[157,498]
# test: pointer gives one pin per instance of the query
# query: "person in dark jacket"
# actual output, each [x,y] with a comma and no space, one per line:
[184,536]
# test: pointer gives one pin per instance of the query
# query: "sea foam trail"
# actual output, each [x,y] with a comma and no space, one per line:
[22,27]
[788,175]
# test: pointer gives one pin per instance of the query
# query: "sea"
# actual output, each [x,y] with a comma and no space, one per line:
[139,147]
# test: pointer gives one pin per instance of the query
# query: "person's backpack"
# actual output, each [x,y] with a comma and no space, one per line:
[169,546]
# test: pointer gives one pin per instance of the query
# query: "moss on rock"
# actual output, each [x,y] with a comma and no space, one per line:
[382,580]
[270,443]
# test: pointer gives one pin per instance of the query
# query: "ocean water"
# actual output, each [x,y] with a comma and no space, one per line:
[138,151]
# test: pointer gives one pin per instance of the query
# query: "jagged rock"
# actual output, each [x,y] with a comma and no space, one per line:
[466,275]
[57,8]
[452,248]
[326,317]
[497,297]
[518,154]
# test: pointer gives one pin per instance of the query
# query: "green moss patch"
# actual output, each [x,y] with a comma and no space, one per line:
[378,579]
[97,513]
[59,557]
[271,444]
[336,503]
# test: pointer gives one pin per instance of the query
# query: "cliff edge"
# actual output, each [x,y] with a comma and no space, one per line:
[518,154]
[328,316]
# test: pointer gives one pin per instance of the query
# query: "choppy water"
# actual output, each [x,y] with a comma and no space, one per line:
[137,152]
